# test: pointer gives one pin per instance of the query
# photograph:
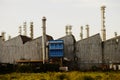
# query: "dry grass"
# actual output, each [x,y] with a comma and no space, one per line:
[75,75]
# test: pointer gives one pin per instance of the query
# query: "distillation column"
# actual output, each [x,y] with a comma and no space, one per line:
[87,31]
[3,36]
[68,30]
[81,33]
[103,30]
[31,30]
[115,34]
[25,28]
[20,30]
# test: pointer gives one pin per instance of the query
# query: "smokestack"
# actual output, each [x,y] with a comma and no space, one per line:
[81,34]
[3,36]
[9,37]
[103,30]
[20,30]
[115,34]
[31,30]
[87,31]
[68,30]
[25,28]
[44,38]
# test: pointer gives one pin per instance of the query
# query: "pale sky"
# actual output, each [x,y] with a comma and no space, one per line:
[59,13]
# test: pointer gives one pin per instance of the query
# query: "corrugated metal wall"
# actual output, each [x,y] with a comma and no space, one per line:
[89,52]
[69,46]
[111,50]
[14,49]
[0,47]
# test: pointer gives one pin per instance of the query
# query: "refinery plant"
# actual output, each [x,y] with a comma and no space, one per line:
[93,52]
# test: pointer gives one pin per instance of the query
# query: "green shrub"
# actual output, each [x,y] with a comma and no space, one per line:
[3,78]
[75,75]
[24,68]
[88,78]
[62,77]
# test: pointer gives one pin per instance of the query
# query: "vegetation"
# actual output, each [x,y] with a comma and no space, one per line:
[75,75]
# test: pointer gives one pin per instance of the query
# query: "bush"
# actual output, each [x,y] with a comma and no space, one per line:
[51,67]
[88,78]
[6,68]
[62,77]
[24,68]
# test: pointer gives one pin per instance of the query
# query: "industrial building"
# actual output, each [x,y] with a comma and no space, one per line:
[21,48]
[111,52]
[84,54]
[88,52]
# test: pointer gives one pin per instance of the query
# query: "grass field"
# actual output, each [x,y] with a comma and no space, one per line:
[62,76]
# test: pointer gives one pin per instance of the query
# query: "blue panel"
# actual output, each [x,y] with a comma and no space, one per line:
[56,53]
[56,48]
[56,41]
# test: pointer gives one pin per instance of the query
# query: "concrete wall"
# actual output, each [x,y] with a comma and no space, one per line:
[89,52]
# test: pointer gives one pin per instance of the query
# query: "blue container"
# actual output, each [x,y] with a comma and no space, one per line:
[56,48]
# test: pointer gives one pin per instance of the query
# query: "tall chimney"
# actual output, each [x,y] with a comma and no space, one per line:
[115,34]
[103,30]
[3,36]
[20,30]
[44,38]
[31,30]
[87,31]
[68,30]
[9,37]
[81,33]
[25,28]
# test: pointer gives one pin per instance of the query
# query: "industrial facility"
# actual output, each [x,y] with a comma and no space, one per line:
[85,54]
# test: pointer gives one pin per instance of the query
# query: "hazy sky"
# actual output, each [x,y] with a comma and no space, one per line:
[59,13]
